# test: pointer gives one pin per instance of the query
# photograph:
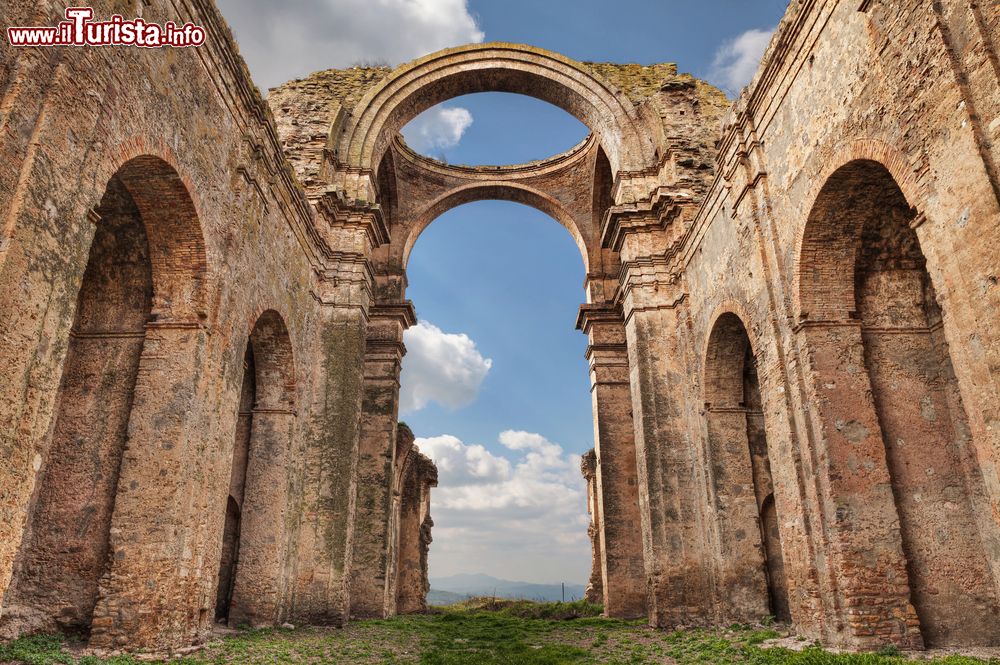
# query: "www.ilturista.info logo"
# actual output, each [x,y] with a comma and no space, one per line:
[79,30]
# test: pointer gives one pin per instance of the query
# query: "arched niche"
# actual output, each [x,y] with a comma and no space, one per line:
[146,265]
[254,562]
[742,487]
[877,348]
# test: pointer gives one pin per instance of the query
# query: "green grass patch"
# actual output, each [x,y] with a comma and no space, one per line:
[35,650]
[527,609]
[741,645]
[488,632]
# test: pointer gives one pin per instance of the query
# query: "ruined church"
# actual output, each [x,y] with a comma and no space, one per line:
[792,305]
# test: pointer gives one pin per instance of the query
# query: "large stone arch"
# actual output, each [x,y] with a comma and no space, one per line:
[495,191]
[495,67]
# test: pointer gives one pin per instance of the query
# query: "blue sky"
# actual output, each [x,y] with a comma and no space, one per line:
[495,384]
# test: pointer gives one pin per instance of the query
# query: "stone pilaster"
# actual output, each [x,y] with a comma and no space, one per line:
[158,591]
[652,298]
[329,437]
[872,580]
[374,541]
[616,483]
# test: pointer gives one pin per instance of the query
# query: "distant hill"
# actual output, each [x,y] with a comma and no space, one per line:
[436,597]
[455,588]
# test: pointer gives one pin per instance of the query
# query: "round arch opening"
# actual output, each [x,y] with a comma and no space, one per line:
[522,195]
[424,83]
[494,129]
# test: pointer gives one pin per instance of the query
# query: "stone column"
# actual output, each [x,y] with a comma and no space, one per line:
[595,585]
[374,540]
[622,572]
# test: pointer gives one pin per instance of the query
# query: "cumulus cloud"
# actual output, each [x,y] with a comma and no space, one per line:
[292,38]
[736,60]
[437,128]
[441,367]
[459,464]
[524,519]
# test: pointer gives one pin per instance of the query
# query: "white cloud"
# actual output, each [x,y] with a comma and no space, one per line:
[441,367]
[437,128]
[459,464]
[736,60]
[292,38]
[525,520]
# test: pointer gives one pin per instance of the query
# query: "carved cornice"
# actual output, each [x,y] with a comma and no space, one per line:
[386,323]
[380,350]
[607,355]
[591,314]
[337,211]
[662,267]
[656,213]
[404,313]
[347,268]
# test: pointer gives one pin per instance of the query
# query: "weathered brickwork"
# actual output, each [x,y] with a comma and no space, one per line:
[791,304]
[852,231]
[152,231]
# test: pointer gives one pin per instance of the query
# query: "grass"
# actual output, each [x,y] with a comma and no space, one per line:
[488,632]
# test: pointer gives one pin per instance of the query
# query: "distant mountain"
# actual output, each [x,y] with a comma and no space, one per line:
[454,588]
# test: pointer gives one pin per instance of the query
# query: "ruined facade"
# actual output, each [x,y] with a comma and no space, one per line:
[791,302]
[415,475]
[594,591]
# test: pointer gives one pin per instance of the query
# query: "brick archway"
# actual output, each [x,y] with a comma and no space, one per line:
[142,289]
[253,580]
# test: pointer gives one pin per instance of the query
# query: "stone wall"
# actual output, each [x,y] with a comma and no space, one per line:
[151,223]
[850,231]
